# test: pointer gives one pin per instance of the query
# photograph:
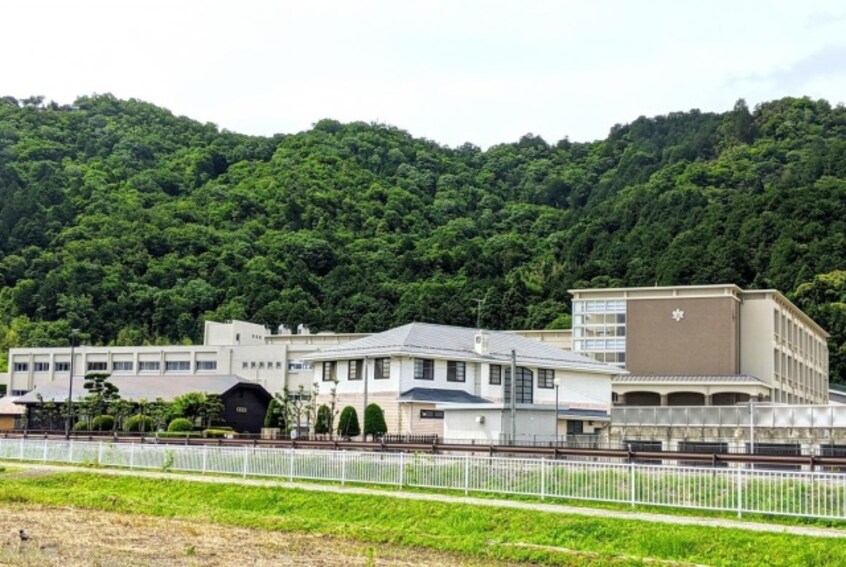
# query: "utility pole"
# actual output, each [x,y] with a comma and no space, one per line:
[513,396]
[364,413]
[480,303]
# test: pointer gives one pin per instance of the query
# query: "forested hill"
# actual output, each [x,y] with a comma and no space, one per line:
[134,225]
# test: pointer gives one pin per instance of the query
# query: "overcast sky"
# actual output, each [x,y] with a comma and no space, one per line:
[482,72]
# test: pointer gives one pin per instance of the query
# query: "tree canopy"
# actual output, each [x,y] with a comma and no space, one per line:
[129,223]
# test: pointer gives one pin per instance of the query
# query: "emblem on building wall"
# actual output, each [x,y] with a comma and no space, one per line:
[678,315]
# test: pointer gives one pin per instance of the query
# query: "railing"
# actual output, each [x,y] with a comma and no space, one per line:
[775,416]
[812,494]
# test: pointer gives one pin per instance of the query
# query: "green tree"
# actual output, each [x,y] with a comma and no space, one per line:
[348,423]
[322,426]
[374,421]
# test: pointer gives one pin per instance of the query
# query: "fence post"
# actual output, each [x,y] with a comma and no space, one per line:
[291,465]
[543,478]
[402,469]
[739,494]
[632,486]
[246,459]
[70,451]
[100,453]
[205,458]
[131,455]
[44,456]
[21,456]
[343,467]
[466,474]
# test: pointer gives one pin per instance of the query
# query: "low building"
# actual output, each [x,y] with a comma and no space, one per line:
[700,345]
[10,414]
[245,402]
[423,375]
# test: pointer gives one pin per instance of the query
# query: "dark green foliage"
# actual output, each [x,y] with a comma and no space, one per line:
[101,392]
[103,423]
[82,426]
[324,417]
[134,225]
[348,423]
[374,420]
[139,423]
[180,424]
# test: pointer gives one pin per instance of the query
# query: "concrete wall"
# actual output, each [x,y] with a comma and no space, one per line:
[703,342]
[756,339]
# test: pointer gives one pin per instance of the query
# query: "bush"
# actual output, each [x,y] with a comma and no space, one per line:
[180,424]
[103,423]
[216,433]
[348,423]
[324,415]
[134,422]
[374,420]
[82,426]
[179,434]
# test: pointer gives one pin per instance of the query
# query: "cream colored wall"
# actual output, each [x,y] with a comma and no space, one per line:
[756,340]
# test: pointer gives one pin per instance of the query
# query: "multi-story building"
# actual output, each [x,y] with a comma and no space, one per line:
[235,348]
[702,345]
[456,382]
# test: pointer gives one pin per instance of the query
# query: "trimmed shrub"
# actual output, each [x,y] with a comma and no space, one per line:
[374,420]
[82,426]
[179,434]
[216,433]
[348,423]
[180,424]
[324,415]
[103,423]
[134,422]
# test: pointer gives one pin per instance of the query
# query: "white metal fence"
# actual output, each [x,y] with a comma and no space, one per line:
[812,494]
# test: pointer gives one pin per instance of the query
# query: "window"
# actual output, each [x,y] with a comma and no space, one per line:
[329,368]
[575,427]
[546,378]
[123,366]
[431,414]
[17,393]
[355,369]
[495,375]
[41,367]
[297,365]
[63,367]
[522,387]
[97,366]
[245,365]
[21,366]
[177,365]
[424,369]
[382,369]
[206,365]
[456,371]
[261,364]
[149,366]
[278,365]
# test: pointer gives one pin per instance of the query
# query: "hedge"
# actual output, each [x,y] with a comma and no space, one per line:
[180,424]
[134,422]
[103,423]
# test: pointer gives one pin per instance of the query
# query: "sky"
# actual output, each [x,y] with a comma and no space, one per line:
[484,72]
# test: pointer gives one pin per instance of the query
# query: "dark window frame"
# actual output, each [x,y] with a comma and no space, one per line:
[332,367]
[456,371]
[355,369]
[546,379]
[379,367]
[426,370]
[498,373]
[431,414]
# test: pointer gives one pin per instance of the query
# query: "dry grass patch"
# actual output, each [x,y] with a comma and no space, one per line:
[73,537]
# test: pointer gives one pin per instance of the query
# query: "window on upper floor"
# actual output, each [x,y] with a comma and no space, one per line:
[123,366]
[330,370]
[149,366]
[97,366]
[456,371]
[495,376]
[382,369]
[206,365]
[424,369]
[41,367]
[63,367]
[355,371]
[177,365]
[20,367]
[546,378]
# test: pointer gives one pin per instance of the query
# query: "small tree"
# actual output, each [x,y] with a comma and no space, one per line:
[348,423]
[333,405]
[101,392]
[212,409]
[323,423]
[374,421]
[273,417]
[180,424]
[189,406]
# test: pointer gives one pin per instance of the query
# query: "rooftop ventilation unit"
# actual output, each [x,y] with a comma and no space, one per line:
[482,343]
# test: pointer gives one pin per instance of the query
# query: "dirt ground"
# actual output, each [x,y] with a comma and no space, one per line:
[69,537]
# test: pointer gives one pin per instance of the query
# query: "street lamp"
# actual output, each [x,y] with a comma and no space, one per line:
[557,382]
[70,385]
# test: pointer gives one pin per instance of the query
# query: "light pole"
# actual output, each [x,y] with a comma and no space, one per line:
[70,386]
[557,382]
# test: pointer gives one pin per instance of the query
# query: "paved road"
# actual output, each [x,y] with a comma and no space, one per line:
[540,507]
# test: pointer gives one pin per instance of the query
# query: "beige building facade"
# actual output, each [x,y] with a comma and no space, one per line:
[702,345]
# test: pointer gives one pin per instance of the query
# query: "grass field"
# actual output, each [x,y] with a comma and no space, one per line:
[467,533]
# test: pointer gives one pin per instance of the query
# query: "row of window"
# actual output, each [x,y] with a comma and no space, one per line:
[546,377]
[355,369]
[594,306]
[121,366]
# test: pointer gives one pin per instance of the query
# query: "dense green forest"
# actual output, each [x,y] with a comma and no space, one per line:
[134,225]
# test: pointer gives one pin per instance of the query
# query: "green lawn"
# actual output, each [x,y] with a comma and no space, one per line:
[483,532]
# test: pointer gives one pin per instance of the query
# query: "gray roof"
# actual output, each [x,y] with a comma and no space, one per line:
[136,388]
[9,407]
[721,379]
[440,395]
[456,343]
